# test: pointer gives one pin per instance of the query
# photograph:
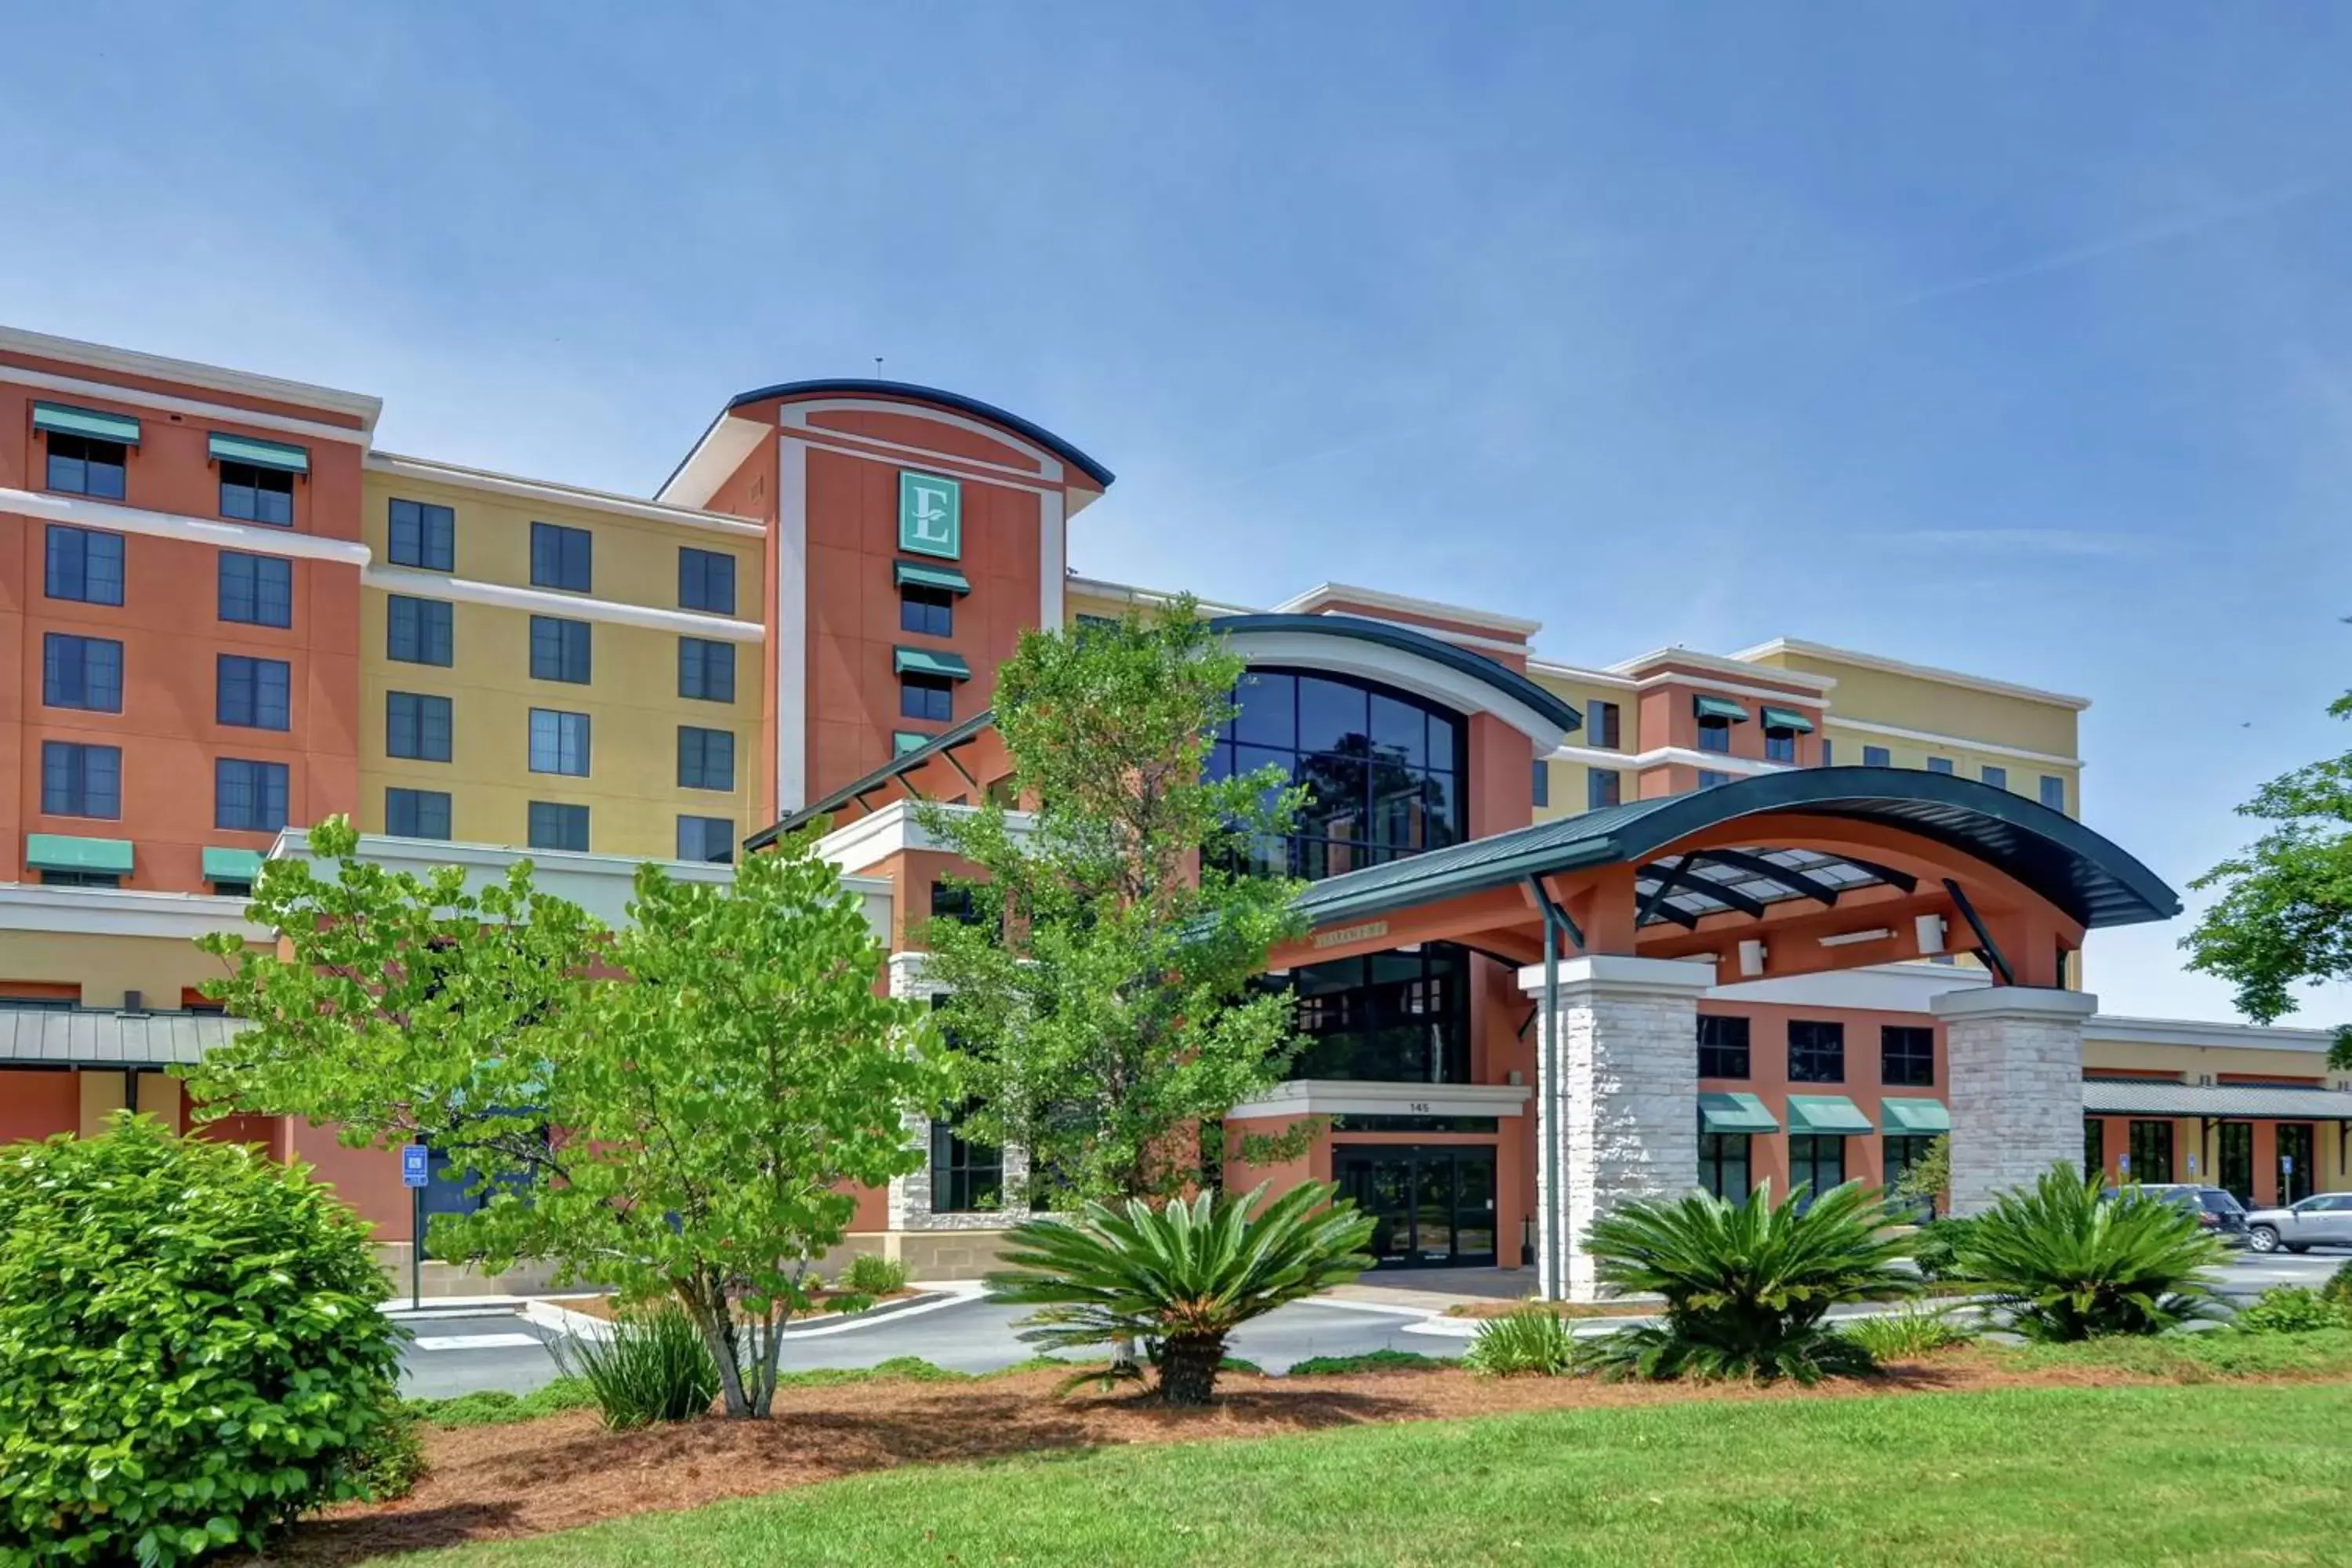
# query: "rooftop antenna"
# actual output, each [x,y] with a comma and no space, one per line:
[878,368]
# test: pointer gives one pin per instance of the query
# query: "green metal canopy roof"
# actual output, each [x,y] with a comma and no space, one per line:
[1786,719]
[1733,1112]
[2089,877]
[259,452]
[1722,707]
[232,865]
[1831,1113]
[946,577]
[67,852]
[68,420]
[923,661]
[1907,1117]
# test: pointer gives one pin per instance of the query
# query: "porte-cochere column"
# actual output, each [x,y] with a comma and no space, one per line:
[2014,1054]
[1617,1101]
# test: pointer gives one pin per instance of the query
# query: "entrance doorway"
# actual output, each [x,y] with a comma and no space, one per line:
[2234,1166]
[2295,1150]
[1432,1206]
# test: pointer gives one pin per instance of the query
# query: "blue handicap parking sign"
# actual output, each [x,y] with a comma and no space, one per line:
[412,1164]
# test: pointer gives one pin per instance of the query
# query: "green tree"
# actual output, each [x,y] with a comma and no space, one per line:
[2283,918]
[1101,990]
[680,1108]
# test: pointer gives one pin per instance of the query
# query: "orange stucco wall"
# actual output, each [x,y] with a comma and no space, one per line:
[1768,1055]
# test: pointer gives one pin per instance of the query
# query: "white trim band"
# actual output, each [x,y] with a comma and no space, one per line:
[433,472]
[227,414]
[80,511]
[542,601]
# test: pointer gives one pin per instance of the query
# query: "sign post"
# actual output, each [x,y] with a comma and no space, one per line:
[413,1173]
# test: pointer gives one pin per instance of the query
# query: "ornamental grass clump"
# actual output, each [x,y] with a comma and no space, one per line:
[1178,1278]
[655,1367]
[2063,1261]
[1528,1341]
[1746,1285]
[191,1354]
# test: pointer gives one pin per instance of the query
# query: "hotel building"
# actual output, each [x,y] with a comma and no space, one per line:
[1787,912]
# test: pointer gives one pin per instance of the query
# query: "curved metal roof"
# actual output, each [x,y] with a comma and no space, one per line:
[854,386]
[1404,639]
[2085,875]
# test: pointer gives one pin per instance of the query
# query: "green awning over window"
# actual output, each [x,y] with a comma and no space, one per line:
[260,454]
[1831,1113]
[1786,719]
[1734,1113]
[905,741]
[946,577]
[64,852]
[1722,707]
[1914,1117]
[922,661]
[232,865]
[68,420]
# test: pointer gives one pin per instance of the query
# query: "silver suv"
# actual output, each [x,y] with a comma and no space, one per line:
[2324,1219]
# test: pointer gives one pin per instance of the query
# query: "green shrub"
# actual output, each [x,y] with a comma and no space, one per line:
[1371,1360]
[1180,1278]
[869,1274]
[2338,1288]
[2291,1309]
[1914,1331]
[189,1350]
[1528,1340]
[393,1460]
[1934,1248]
[495,1407]
[1746,1285]
[2064,1263]
[656,1367]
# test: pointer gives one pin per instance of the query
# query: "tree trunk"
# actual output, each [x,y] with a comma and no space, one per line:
[1188,1368]
[719,1333]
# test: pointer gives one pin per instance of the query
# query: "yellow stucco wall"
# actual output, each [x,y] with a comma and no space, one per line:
[106,966]
[631,699]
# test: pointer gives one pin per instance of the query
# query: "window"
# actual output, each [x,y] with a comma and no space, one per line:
[78,880]
[2054,792]
[706,581]
[709,838]
[554,826]
[705,758]
[966,1177]
[1400,1017]
[1722,1046]
[1876,757]
[1997,777]
[1088,624]
[424,535]
[1779,745]
[2151,1152]
[416,813]
[928,697]
[258,590]
[1710,778]
[1816,1161]
[1713,735]
[1816,1052]
[420,631]
[82,672]
[84,564]
[1903,1150]
[560,557]
[929,611]
[1383,772]
[706,670]
[1906,1057]
[558,743]
[1602,787]
[1722,1165]
[252,693]
[950,902]
[81,781]
[1939,764]
[253,494]
[559,649]
[417,726]
[1601,726]
[2094,1145]
[1826,753]
[80,465]
[249,797]
[1542,784]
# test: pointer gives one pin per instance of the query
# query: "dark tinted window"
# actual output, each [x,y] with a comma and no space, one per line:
[1722,1046]
[706,670]
[256,590]
[706,581]
[1393,1017]
[417,726]
[81,781]
[424,535]
[559,649]
[705,839]
[416,813]
[560,557]
[84,564]
[1816,1052]
[253,494]
[926,697]
[249,797]
[705,758]
[82,672]
[253,693]
[1906,1057]
[80,465]
[419,631]
[554,826]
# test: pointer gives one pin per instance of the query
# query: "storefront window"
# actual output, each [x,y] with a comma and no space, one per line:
[1396,1017]
[1816,1161]
[1722,1165]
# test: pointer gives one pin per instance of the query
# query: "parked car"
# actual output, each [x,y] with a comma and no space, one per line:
[2215,1209]
[2324,1219]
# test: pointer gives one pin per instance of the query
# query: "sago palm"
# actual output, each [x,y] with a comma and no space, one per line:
[1180,1277]
[1746,1285]
[2066,1262]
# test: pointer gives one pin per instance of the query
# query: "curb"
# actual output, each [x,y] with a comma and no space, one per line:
[573,1324]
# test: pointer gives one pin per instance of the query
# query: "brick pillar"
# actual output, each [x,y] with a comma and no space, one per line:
[2015,1055]
[1617,1103]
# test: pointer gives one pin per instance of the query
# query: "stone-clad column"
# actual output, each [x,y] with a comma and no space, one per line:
[1617,1101]
[2015,1058]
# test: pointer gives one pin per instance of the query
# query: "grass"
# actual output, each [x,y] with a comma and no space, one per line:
[1371,1360]
[2203,1357]
[2215,1473]
[494,1407]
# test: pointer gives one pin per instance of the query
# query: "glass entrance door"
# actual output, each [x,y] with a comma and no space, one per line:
[2294,1143]
[2234,1163]
[1431,1206]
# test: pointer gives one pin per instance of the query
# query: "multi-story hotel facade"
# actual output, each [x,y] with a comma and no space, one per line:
[1787,912]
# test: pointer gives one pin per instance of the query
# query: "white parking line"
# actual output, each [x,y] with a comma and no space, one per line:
[475,1342]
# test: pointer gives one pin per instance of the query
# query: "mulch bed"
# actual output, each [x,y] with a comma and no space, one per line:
[491,1483]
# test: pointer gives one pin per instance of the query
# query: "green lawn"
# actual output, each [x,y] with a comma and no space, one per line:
[2208,1473]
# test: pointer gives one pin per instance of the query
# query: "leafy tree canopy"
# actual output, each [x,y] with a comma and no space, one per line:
[678,1108]
[1101,990]
[2284,918]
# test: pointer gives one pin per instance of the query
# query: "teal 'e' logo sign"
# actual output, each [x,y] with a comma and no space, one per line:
[930,515]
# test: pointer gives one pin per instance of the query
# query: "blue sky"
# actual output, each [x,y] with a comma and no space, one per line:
[2012,339]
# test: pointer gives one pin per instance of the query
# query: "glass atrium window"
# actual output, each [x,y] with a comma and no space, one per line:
[1398,1017]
